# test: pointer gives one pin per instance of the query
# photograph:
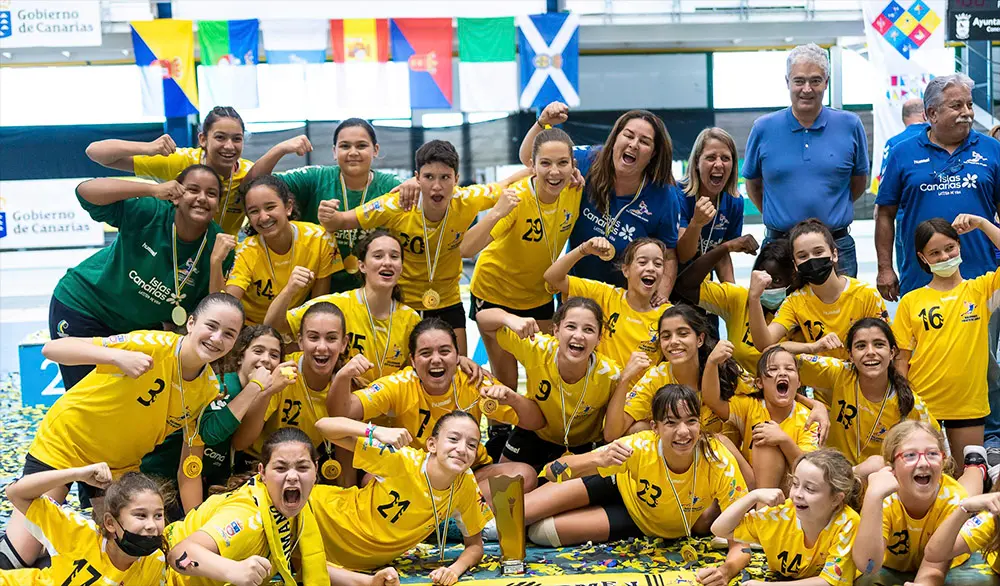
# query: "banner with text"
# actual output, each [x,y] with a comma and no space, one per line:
[50,23]
[45,214]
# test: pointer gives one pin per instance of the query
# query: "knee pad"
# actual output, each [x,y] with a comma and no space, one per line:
[544,533]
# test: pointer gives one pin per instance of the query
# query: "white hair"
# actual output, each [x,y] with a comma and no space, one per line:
[811,53]
[934,92]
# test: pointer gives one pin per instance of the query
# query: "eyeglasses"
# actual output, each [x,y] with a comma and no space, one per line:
[911,458]
[942,176]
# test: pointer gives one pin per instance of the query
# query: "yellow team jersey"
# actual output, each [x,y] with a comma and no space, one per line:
[557,399]
[509,270]
[366,528]
[408,226]
[906,537]
[403,398]
[79,551]
[947,333]
[804,310]
[747,412]
[389,339]
[295,406]
[109,417]
[625,329]
[166,168]
[778,531]
[978,532]
[729,302]
[859,429]
[263,273]
[646,490]
[639,400]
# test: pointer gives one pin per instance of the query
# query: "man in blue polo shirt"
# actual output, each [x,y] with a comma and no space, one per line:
[808,161]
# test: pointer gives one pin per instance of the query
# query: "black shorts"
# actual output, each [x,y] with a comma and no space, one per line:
[33,465]
[542,312]
[65,322]
[603,492]
[526,447]
[453,315]
[960,423]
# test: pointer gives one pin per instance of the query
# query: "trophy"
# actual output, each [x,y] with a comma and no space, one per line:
[508,508]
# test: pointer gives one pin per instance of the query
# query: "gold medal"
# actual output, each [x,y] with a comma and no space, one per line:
[192,466]
[330,469]
[489,406]
[609,254]
[179,316]
[431,299]
[689,553]
[351,264]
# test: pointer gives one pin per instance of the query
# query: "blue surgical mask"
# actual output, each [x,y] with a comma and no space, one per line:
[946,268]
[772,298]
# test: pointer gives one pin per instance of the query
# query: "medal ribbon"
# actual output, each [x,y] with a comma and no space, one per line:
[541,220]
[441,533]
[670,481]
[352,235]
[380,360]
[612,221]
[178,283]
[431,269]
[562,399]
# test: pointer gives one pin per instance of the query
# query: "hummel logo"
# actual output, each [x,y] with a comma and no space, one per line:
[148,249]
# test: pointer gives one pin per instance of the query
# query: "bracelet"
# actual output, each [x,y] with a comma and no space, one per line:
[258,383]
[370,433]
[543,125]
[964,510]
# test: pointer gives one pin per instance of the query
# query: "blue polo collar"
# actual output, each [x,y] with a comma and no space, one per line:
[817,124]
[923,138]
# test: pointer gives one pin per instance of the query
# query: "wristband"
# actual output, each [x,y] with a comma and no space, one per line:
[370,433]
[258,383]
[964,510]
[542,124]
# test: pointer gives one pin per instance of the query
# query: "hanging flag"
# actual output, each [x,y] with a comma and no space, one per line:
[906,49]
[550,59]
[363,79]
[229,60]
[487,70]
[164,52]
[360,40]
[424,44]
[295,42]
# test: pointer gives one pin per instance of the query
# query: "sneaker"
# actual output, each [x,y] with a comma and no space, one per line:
[993,456]
[976,456]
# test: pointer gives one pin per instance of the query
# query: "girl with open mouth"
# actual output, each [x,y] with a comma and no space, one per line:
[971,526]
[631,313]
[281,259]
[124,546]
[668,482]
[568,381]
[771,424]
[251,534]
[220,147]
[943,333]
[413,493]
[157,382]
[808,536]
[906,503]
[417,396]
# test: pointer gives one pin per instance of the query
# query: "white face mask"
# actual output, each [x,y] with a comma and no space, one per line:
[946,268]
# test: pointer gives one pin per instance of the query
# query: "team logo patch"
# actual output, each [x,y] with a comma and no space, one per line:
[61,328]
[969,315]
[116,339]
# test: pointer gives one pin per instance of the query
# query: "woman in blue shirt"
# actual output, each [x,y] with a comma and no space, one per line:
[629,191]
[709,202]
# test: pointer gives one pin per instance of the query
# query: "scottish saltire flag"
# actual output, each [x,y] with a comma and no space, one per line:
[229,60]
[550,59]
[164,52]
[295,42]
[425,45]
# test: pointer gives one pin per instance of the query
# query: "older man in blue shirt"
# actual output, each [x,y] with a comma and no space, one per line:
[808,161]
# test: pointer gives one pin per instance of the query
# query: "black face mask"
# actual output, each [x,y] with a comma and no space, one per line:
[815,271]
[137,546]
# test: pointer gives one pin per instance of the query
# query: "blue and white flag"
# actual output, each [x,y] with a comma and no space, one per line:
[295,42]
[550,59]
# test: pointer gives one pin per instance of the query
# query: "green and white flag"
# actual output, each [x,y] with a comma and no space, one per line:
[227,75]
[487,68]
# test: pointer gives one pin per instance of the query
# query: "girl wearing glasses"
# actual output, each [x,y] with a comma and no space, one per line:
[906,502]
[942,333]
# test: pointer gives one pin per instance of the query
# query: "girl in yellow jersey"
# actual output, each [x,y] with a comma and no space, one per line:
[807,537]
[823,302]
[867,393]
[971,526]
[942,331]
[771,424]
[378,323]
[251,534]
[280,256]
[124,548]
[667,482]
[416,397]
[146,386]
[220,144]
[567,379]
[905,503]
[631,316]
[431,233]
[730,301]
[413,493]
[522,236]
